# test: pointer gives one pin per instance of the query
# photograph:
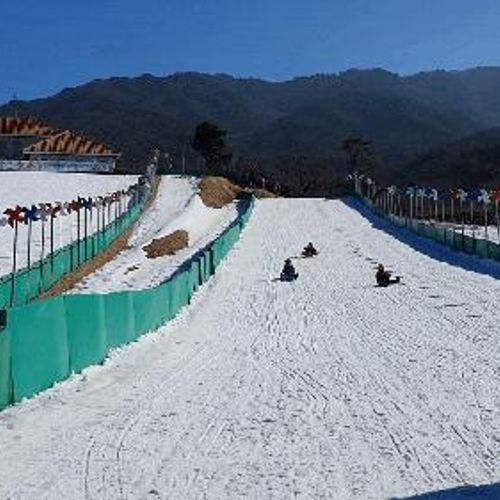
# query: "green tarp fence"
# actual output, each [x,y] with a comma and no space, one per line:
[453,239]
[29,283]
[45,341]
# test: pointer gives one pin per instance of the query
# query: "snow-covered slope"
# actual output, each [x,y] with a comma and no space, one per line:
[325,388]
[27,188]
[177,206]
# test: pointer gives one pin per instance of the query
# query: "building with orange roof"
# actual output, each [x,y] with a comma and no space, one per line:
[28,144]
[18,133]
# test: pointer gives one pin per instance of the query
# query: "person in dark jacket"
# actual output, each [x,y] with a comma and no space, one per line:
[383,277]
[288,273]
[309,250]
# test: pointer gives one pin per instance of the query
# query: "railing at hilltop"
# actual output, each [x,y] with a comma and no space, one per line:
[67,165]
[44,342]
[99,222]
[466,222]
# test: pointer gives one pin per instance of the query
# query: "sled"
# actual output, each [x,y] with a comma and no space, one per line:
[394,281]
[284,278]
[308,256]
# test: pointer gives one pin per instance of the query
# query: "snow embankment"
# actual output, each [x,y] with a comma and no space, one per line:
[28,188]
[327,387]
[177,207]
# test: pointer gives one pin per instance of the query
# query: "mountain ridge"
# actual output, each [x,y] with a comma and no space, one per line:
[310,116]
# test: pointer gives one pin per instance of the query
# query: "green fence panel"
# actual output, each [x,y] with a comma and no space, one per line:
[482,248]
[184,292]
[5,378]
[45,341]
[205,265]
[145,312]
[469,245]
[72,262]
[88,246]
[160,306]
[87,339]
[427,231]
[39,346]
[22,287]
[173,295]
[194,277]
[441,235]
[119,318]
[209,262]
[494,250]
[29,283]
[81,247]
[58,264]
[33,283]
[4,294]
[199,268]
[166,296]
[108,236]
[98,242]
[159,300]
[458,241]
[216,253]
[448,237]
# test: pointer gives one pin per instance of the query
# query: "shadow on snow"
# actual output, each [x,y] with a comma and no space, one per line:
[426,246]
[483,492]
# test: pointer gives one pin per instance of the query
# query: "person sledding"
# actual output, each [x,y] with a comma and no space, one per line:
[288,273]
[309,251]
[384,278]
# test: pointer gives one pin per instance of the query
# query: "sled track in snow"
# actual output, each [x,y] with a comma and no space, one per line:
[327,387]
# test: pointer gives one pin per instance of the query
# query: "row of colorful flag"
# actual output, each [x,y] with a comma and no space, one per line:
[45,211]
[481,195]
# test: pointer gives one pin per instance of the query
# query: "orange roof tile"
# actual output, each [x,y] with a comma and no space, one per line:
[24,127]
[71,144]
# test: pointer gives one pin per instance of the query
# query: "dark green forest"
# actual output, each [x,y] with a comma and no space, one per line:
[438,127]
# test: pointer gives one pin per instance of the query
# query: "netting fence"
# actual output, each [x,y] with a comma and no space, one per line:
[44,342]
[93,224]
[467,222]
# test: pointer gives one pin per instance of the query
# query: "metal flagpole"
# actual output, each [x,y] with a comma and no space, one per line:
[42,255]
[14,265]
[29,243]
[52,217]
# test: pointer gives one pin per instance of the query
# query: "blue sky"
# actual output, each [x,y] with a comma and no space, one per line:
[47,46]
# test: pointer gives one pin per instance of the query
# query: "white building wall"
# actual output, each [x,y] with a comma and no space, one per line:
[68,165]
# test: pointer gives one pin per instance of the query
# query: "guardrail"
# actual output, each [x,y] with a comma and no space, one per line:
[445,216]
[457,240]
[109,217]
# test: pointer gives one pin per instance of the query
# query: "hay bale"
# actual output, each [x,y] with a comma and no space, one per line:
[261,193]
[217,192]
[167,245]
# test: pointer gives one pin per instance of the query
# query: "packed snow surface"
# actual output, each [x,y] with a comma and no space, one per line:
[177,206]
[28,188]
[324,388]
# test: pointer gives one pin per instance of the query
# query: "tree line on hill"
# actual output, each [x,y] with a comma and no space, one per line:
[437,127]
